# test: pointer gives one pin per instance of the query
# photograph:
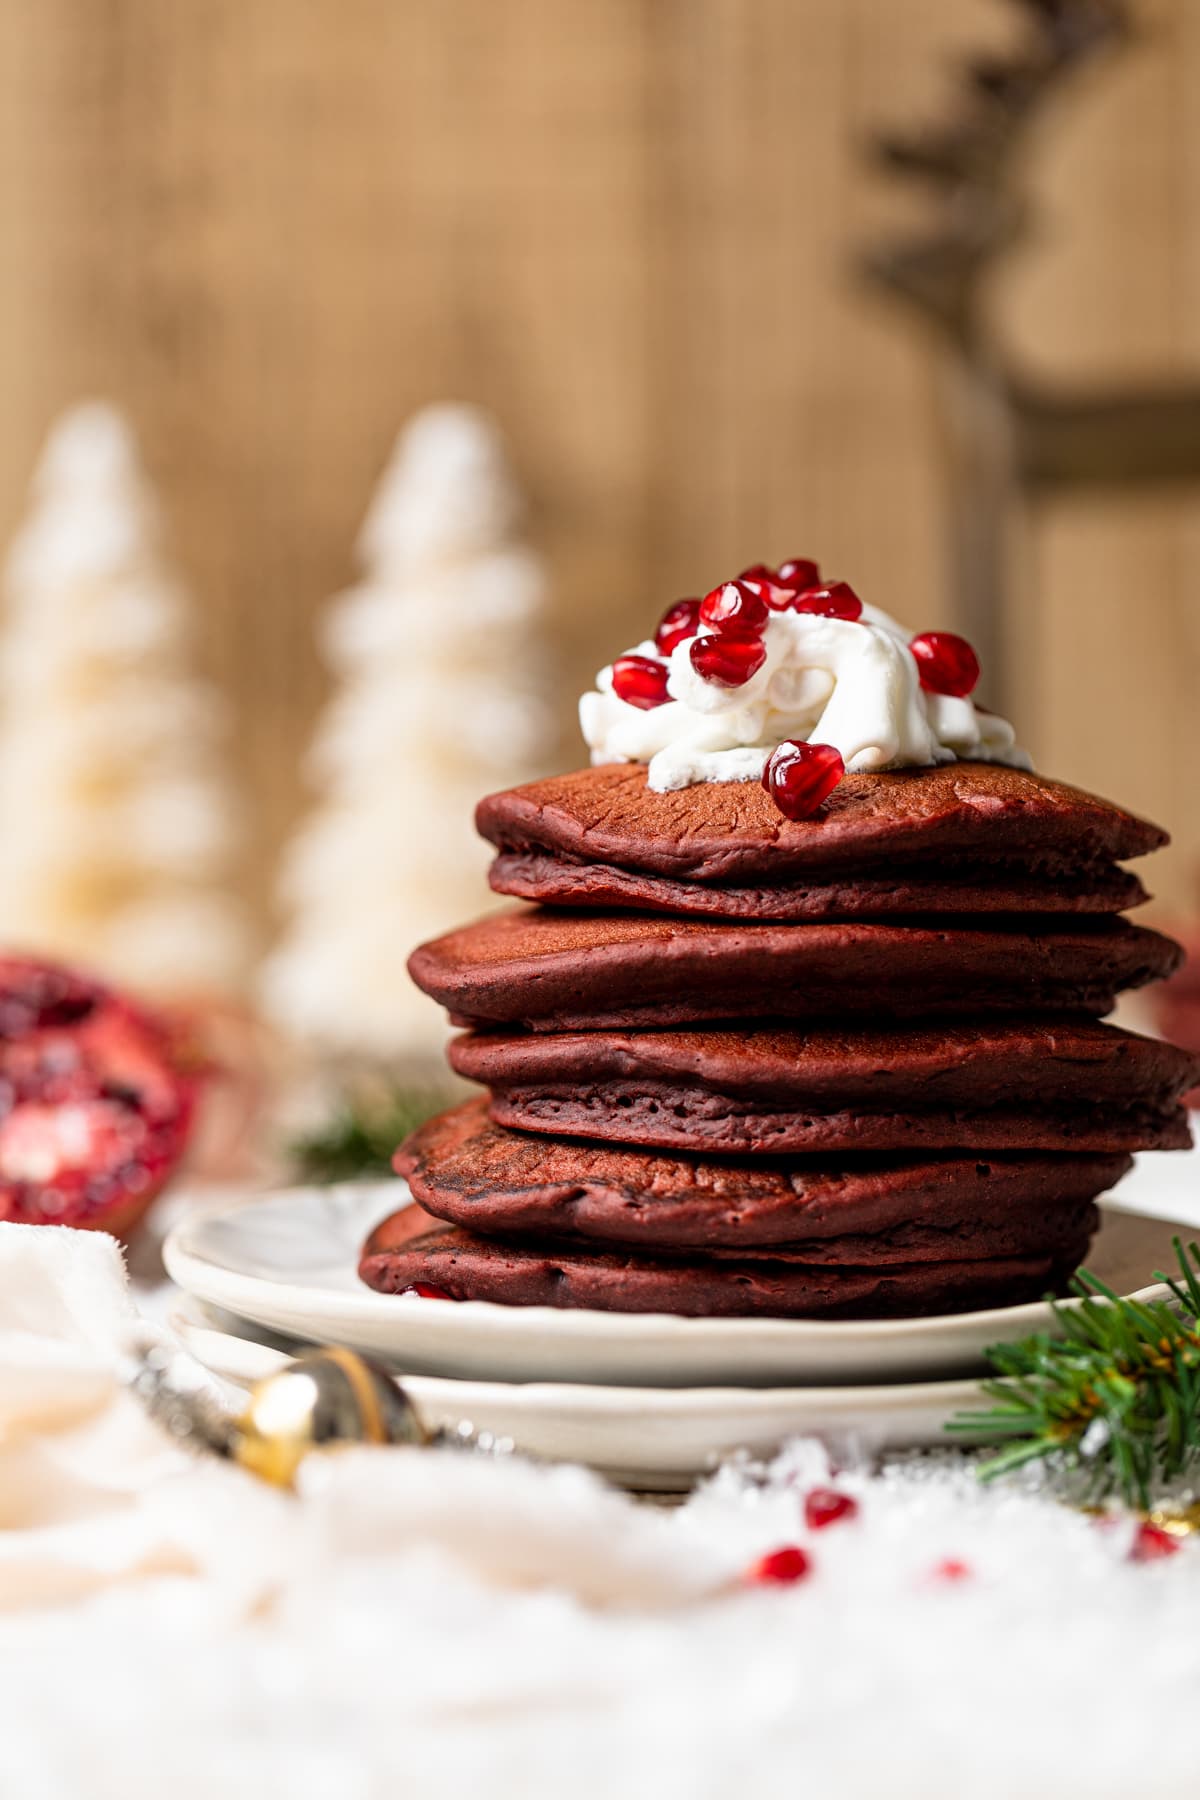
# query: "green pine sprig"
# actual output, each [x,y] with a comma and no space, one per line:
[1114,1400]
[359,1139]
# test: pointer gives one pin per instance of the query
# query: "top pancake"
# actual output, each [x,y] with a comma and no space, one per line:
[1017,840]
[904,893]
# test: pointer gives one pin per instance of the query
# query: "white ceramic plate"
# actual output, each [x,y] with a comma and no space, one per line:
[658,1438]
[288,1261]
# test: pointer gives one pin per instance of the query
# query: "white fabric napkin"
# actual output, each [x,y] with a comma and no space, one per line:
[93,1493]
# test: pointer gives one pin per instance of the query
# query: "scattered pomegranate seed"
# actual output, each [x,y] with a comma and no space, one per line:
[951,1569]
[757,572]
[946,663]
[1151,1542]
[825,1506]
[640,681]
[1105,1521]
[779,1567]
[425,1290]
[837,601]
[678,622]
[734,606]
[800,776]
[727,659]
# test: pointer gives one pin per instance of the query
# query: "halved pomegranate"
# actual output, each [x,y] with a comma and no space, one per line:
[96,1100]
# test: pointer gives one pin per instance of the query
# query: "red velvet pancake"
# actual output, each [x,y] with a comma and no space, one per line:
[539,875]
[409,1248]
[467,1170]
[962,821]
[1033,1085]
[562,971]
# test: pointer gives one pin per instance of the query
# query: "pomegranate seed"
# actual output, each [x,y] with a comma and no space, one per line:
[779,1567]
[1105,1521]
[727,659]
[798,573]
[678,622]
[800,776]
[425,1290]
[640,681]
[946,663]
[837,601]
[951,1569]
[768,588]
[779,599]
[825,1506]
[1151,1542]
[757,572]
[734,606]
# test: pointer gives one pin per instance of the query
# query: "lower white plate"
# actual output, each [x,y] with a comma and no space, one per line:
[288,1260]
[654,1438]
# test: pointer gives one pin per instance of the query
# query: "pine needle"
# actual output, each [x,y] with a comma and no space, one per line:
[358,1141]
[1113,1400]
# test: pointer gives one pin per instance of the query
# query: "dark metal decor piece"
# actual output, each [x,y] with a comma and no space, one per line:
[1009,441]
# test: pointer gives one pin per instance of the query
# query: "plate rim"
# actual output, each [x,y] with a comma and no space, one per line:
[475,1316]
[595,1395]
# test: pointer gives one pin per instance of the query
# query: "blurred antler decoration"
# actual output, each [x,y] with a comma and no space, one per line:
[1008,439]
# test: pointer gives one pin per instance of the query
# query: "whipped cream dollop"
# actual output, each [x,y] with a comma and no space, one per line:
[850,683]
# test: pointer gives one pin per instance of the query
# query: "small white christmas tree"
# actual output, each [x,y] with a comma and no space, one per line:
[442,697]
[115,816]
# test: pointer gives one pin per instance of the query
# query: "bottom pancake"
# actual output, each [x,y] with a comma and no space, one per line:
[467,1170]
[410,1248]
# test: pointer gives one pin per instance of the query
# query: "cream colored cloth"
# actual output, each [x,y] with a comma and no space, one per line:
[93,1493]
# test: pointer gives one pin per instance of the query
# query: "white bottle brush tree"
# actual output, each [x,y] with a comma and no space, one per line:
[115,813]
[442,696]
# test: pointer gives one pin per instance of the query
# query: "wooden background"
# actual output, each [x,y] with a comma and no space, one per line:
[272,228]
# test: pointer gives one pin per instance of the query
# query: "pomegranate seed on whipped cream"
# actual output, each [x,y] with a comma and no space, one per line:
[735,606]
[678,622]
[851,683]
[947,663]
[640,681]
[837,601]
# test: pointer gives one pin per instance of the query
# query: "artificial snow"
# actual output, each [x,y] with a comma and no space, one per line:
[1053,1665]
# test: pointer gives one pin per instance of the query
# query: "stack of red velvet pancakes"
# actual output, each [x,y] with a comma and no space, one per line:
[850,1064]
